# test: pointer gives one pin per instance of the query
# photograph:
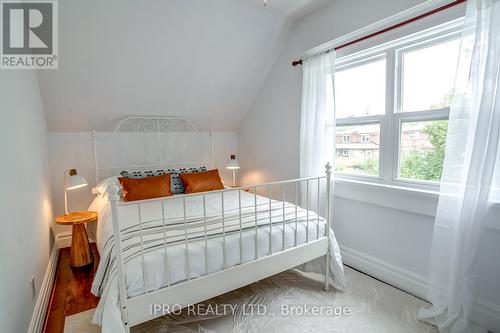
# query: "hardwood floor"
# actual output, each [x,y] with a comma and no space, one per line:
[71,291]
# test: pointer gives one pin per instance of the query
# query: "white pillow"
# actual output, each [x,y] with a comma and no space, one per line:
[102,186]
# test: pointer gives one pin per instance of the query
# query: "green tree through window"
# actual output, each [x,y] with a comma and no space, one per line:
[427,164]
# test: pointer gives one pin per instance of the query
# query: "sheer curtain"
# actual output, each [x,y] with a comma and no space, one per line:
[460,271]
[317,121]
[317,147]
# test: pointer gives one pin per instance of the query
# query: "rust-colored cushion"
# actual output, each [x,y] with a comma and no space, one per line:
[201,181]
[145,188]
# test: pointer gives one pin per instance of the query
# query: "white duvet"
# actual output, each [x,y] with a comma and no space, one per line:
[284,222]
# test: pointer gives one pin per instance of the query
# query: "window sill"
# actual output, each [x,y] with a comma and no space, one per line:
[413,200]
[417,201]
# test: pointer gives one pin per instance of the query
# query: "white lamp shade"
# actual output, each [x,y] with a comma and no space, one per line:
[75,182]
[233,164]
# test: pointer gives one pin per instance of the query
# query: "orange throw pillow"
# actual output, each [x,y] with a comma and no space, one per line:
[145,188]
[201,181]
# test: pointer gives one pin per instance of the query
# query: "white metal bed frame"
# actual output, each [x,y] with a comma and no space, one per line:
[136,309]
[158,125]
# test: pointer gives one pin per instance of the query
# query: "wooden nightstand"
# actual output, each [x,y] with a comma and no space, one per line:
[81,255]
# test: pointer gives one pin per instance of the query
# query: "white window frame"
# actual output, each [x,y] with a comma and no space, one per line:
[365,138]
[393,118]
[346,136]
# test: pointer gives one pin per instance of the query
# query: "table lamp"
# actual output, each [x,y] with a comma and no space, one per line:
[72,182]
[234,165]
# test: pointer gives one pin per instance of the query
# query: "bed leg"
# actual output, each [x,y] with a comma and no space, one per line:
[327,271]
[126,326]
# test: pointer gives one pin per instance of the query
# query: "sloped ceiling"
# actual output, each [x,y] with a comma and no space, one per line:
[203,59]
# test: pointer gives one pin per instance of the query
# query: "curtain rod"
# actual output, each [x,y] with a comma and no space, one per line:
[392,27]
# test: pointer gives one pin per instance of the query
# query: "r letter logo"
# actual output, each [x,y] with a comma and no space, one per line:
[29,35]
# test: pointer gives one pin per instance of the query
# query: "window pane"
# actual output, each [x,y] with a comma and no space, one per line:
[429,75]
[360,90]
[358,149]
[422,149]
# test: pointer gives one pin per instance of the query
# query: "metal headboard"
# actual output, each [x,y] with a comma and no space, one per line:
[150,142]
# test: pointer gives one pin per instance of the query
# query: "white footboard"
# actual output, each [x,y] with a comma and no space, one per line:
[196,288]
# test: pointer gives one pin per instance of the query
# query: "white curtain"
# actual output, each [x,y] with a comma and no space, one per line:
[464,269]
[317,147]
[317,121]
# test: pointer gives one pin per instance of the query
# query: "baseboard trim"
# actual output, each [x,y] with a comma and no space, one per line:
[396,276]
[63,239]
[43,299]
[486,313]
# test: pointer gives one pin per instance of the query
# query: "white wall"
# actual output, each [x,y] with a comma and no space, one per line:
[75,150]
[25,236]
[383,231]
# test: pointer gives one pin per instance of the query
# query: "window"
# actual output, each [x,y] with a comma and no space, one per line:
[392,102]
[422,158]
[360,106]
[428,75]
[360,89]
[354,158]
[342,153]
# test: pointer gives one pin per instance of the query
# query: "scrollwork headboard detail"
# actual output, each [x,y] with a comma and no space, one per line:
[146,143]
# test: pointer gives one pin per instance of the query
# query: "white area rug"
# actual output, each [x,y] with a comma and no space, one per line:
[368,305]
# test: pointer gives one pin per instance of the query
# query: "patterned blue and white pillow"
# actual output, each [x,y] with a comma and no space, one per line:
[132,174]
[176,185]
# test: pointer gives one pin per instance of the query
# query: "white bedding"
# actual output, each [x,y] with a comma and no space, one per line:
[105,284]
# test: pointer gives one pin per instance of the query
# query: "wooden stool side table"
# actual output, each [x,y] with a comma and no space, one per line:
[81,254]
